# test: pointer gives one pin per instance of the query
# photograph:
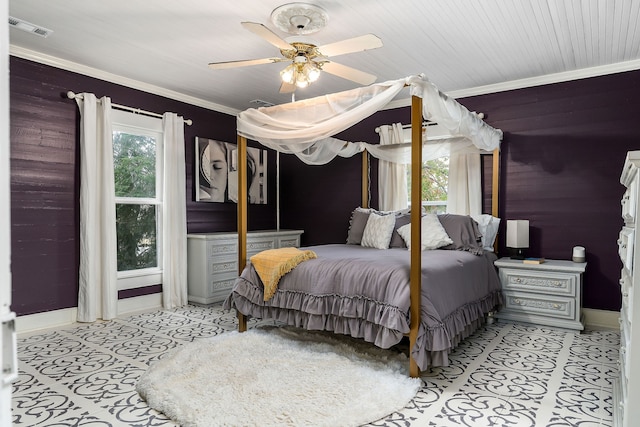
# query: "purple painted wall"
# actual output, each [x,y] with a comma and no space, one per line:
[562,153]
[45,180]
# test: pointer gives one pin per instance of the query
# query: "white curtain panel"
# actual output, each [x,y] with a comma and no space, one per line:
[174,214]
[464,194]
[392,176]
[98,293]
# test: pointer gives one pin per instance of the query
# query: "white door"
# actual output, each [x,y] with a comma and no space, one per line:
[8,355]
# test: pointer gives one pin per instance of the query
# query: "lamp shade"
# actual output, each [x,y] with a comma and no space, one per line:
[518,233]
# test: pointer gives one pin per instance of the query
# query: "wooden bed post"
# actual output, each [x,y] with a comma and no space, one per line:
[416,229]
[242,217]
[365,179]
[495,180]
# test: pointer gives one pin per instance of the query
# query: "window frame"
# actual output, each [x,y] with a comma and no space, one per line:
[137,124]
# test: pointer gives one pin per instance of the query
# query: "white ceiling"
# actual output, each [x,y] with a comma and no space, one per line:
[465,47]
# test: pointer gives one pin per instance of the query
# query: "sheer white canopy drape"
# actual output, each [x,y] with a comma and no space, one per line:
[392,176]
[98,293]
[174,223]
[306,128]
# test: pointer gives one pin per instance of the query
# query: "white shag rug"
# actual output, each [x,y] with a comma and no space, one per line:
[278,376]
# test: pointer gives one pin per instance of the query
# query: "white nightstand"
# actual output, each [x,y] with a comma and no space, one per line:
[545,294]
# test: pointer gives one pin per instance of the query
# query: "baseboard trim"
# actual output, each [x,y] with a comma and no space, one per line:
[46,320]
[68,316]
[139,304]
[601,319]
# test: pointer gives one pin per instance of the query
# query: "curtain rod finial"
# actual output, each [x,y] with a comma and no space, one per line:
[71,94]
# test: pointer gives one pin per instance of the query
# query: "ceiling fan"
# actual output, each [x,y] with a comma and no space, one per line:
[307,60]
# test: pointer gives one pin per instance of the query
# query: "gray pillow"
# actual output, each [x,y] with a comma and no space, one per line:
[464,232]
[357,224]
[396,240]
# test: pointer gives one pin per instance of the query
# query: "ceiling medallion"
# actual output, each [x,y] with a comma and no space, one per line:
[299,18]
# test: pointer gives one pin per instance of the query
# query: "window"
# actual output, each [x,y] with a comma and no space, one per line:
[435,173]
[435,180]
[137,163]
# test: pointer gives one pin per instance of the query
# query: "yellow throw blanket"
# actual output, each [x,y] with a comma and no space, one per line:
[272,264]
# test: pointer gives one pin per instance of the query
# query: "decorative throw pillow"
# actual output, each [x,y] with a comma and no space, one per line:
[488,226]
[377,233]
[433,235]
[464,232]
[358,221]
[396,239]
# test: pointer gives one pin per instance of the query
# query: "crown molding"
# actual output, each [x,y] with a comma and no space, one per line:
[565,76]
[114,78]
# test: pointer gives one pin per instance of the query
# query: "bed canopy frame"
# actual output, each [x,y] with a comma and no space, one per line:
[305,128]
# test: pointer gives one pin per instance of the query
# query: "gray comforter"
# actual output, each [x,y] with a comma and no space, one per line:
[364,292]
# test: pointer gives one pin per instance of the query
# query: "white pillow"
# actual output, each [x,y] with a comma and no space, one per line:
[433,235]
[488,226]
[378,231]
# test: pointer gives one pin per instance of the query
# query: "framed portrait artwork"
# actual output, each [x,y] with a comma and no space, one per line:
[217,172]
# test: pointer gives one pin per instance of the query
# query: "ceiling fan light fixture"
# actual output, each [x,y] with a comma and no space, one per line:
[288,75]
[312,71]
[302,80]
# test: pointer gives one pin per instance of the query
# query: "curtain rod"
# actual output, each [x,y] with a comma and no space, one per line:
[427,123]
[73,95]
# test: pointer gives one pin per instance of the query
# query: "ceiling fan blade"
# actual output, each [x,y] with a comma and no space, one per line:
[267,34]
[349,73]
[356,44]
[244,63]
[287,87]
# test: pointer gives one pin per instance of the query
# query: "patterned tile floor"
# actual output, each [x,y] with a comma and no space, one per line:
[503,375]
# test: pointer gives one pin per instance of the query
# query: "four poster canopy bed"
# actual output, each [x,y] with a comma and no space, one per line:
[436,297]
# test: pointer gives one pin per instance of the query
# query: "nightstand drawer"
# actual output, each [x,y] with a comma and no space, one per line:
[545,282]
[540,305]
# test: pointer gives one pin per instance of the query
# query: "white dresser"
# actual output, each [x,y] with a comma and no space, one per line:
[213,260]
[627,389]
[545,294]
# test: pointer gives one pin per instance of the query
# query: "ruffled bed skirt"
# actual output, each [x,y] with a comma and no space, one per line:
[375,322]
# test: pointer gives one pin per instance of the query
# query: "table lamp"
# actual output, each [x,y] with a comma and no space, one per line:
[517,237]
